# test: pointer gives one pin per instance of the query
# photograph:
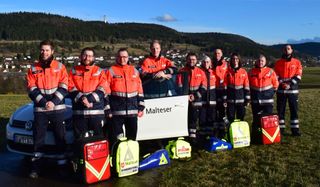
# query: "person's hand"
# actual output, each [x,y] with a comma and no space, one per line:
[288,86]
[108,113]
[140,114]
[191,97]
[159,74]
[49,105]
[167,76]
[89,105]
[86,102]
[285,86]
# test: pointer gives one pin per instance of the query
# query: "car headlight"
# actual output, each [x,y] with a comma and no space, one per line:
[11,120]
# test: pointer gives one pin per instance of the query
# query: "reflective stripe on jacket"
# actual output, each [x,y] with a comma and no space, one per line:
[157,87]
[126,90]
[263,84]
[152,65]
[89,82]
[237,82]
[289,72]
[47,84]
[209,94]
[195,80]
[220,72]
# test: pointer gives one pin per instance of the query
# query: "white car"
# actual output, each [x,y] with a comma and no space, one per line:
[20,134]
[163,118]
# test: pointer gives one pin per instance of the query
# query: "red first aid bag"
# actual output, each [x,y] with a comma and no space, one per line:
[96,161]
[91,160]
[270,129]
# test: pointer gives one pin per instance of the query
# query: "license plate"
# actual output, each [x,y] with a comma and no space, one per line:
[23,139]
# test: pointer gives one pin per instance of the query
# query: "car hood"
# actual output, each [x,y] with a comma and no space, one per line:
[25,113]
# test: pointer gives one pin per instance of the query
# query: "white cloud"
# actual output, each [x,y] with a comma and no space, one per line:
[166,18]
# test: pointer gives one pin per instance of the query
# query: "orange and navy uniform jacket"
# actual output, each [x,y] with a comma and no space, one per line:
[89,82]
[289,72]
[220,71]
[152,65]
[237,83]
[209,95]
[263,84]
[193,79]
[48,83]
[126,97]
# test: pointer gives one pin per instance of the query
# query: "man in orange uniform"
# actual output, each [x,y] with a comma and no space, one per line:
[289,71]
[263,85]
[157,73]
[88,88]
[238,90]
[126,99]
[220,67]
[194,79]
[47,85]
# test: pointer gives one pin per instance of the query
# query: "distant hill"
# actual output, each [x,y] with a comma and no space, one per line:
[26,26]
[37,26]
[315,39]
[311,48]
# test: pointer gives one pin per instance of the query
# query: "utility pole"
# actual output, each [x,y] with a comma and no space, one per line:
[104,18]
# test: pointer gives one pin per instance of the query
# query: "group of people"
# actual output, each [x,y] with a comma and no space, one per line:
[217,88]
[115,96]
[220,91]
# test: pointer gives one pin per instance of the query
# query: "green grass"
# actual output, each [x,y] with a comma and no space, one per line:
[310,77]
[294,162]
[9,103]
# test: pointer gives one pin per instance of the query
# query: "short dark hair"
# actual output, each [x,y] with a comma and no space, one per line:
[87,49]
[47,42]
[122,49]
[237,55]
[285,46]
[191,54]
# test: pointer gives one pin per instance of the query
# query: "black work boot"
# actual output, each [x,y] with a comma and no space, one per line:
[33,174]
[295,132]
[63,168]
[36,162]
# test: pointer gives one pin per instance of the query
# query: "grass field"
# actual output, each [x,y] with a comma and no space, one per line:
[294,162]
[9,103]
[311,77]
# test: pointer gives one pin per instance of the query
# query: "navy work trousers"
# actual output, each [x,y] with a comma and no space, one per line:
[293,106]
[55,120]
[83,124]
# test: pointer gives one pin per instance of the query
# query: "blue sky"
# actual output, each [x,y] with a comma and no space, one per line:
[264,21]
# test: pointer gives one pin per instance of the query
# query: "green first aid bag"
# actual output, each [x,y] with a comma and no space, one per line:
[179,149]
[239,134]
[125,159]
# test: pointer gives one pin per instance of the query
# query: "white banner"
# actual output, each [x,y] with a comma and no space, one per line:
[164,118]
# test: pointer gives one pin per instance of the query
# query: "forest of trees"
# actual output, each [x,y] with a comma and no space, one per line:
[25,26]
[29,28]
